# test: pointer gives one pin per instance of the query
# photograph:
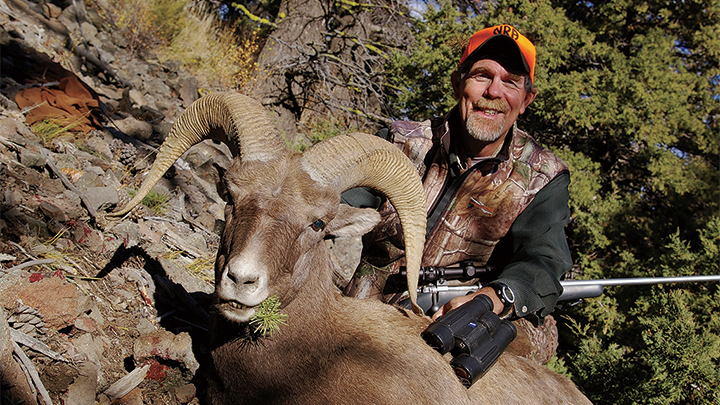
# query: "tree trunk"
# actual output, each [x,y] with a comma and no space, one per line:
[324,62]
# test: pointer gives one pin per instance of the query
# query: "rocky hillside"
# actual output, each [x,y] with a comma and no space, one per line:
[97,310]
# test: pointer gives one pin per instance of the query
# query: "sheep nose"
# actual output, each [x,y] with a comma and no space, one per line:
[246,281]
[243,280]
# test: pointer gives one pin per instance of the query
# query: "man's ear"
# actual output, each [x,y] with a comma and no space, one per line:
[351,221]
[529,97]
[455,81]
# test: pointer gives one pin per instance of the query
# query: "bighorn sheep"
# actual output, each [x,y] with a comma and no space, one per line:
[332,349]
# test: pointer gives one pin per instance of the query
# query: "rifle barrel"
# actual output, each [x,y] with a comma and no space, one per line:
[431,297]
[642,280]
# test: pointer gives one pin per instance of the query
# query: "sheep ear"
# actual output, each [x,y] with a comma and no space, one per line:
[220,185]
[351,221]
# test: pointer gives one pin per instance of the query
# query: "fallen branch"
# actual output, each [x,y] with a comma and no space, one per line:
[30,368]
[176,242]
[126,384]
[29,264]
[16,386]
[38,346]
[22,249]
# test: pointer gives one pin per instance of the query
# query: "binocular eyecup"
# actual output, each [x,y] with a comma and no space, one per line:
[474,335]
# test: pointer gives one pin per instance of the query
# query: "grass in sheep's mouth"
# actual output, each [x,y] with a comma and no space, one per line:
[268,318]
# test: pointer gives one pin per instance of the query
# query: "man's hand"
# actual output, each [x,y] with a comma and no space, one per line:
[458,301]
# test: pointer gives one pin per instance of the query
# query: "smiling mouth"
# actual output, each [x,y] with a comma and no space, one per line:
[490,108]
[489,112]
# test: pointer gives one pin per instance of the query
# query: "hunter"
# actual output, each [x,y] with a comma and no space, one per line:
[495,196]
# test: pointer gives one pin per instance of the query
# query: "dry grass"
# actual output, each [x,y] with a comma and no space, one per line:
[48,131]
[139,23]
[203,269]
[218,55]
[51,129]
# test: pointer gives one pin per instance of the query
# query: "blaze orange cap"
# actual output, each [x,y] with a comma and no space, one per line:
[504,42]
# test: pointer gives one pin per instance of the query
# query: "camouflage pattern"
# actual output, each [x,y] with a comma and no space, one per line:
[537,343]
[479,214]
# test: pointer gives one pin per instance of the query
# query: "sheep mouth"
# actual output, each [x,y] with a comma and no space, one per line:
[235,311]
[225,305]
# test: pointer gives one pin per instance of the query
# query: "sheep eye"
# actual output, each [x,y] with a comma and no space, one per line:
[318,225]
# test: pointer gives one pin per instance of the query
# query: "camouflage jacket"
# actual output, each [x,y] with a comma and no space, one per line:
[477,216]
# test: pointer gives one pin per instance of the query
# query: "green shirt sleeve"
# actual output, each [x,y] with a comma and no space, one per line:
[362,197]
[536,252]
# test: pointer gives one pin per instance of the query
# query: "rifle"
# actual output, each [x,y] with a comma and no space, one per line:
[473,334]
[434,290]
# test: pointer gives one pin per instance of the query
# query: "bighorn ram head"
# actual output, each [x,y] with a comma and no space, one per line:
[247,253]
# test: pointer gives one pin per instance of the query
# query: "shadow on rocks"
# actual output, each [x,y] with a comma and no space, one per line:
[178,310]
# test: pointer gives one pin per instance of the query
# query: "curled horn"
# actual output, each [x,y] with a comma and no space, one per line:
[235,119]
[362,160]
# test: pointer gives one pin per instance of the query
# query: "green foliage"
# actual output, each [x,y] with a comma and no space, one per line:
[268,318]
[680,353]
[154,200]
[420,85]
[657,344]
[325,129]
[557,365]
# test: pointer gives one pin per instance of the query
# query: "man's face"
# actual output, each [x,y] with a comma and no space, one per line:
[490,100]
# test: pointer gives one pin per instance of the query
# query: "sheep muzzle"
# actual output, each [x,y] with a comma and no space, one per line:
[242,285]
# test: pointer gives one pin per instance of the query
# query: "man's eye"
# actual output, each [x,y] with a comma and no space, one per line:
[318,225]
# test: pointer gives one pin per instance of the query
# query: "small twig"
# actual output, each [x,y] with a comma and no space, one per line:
[29,86]
[82,277]
[22,249]
[195,224]
[91,210]
[176,242]
[28,264]
[160,219]
[4,257]
[30,367]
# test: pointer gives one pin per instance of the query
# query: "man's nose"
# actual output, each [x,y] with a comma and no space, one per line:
[494,89]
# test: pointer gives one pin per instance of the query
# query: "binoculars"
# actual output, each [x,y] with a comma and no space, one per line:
[474,335]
